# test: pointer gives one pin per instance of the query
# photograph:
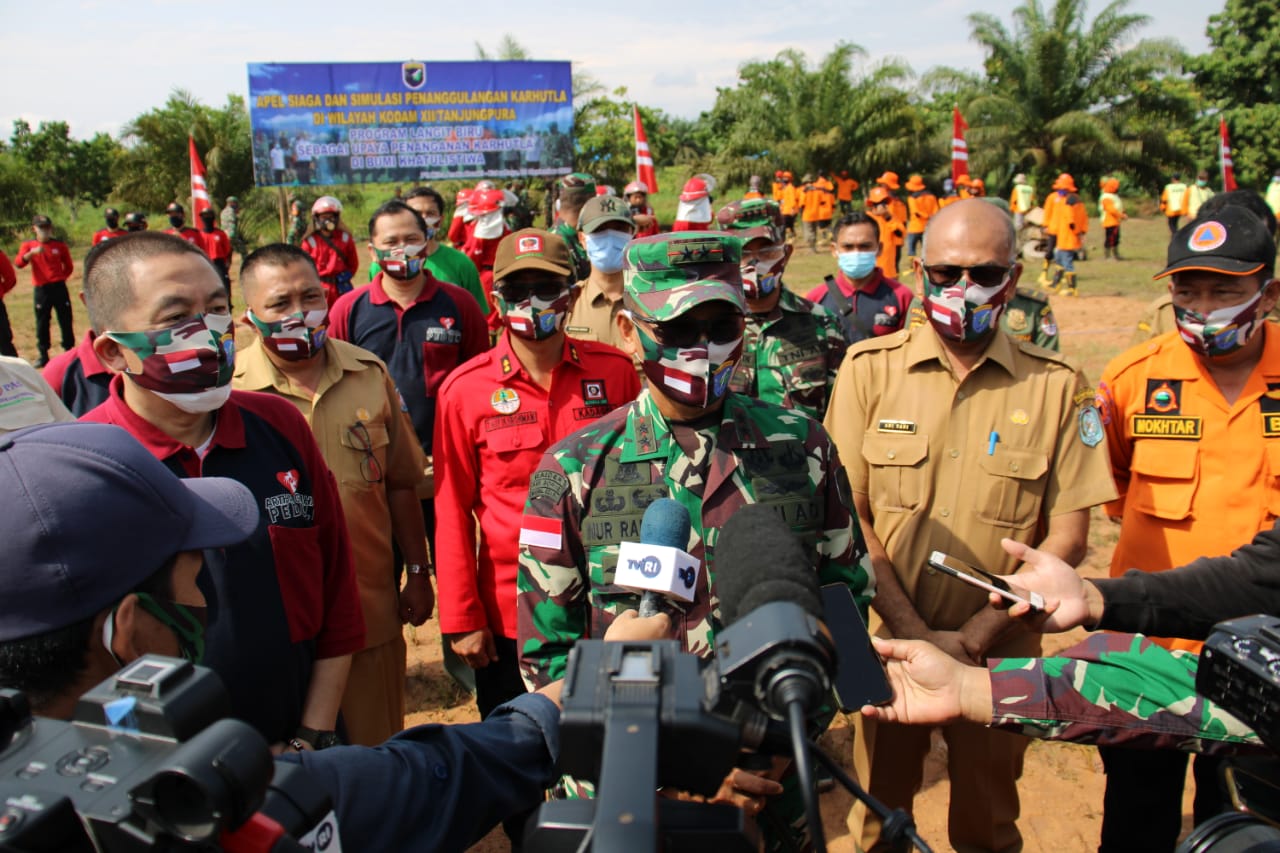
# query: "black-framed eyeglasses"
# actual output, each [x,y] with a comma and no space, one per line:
[685,332]
[983,275]
[547,291]
[370,468]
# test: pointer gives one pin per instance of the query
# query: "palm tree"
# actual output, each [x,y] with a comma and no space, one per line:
[1066,95]
[785,113]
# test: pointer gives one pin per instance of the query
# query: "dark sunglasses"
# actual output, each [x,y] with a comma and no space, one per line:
[685,332]
[985,275]
[544,290]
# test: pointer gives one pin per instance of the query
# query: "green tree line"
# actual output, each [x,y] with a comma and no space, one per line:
[1060,90]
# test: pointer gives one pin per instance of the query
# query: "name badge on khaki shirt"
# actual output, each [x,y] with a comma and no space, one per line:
[898,427]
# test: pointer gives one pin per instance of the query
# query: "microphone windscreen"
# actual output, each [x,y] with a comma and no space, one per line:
[759,560]
[666,522]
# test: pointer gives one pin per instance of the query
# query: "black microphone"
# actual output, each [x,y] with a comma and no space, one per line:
[772,609]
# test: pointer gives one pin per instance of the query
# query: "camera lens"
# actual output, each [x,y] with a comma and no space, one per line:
[214,781]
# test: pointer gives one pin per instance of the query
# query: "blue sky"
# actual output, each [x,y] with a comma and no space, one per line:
[97,64]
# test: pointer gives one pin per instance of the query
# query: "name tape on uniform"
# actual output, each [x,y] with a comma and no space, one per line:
[1166,426]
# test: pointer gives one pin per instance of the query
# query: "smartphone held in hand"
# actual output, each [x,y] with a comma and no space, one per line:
[975,576]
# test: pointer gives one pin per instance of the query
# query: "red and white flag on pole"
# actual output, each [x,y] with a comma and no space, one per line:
[959,148]
[644,160]
[1224,155]
[199,189]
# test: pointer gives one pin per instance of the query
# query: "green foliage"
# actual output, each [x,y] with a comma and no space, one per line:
[1243,66]
[784,114]
[1063,95]
[1240,78]
[20,193]
[76,171]
[154,169]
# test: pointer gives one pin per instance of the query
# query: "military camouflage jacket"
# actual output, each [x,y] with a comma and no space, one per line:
[790,357]
[590,491]
[1027,317]
[1115,689]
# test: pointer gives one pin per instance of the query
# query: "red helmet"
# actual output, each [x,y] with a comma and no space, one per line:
[635,187]
[462,197]
[485,201]
[326,204]
[694,189]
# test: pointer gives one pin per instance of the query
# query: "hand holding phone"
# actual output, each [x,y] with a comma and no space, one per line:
[975,576]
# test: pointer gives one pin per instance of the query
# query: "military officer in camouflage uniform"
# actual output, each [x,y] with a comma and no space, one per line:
[297,221]
[575,190]
[1027,317]
[688,437]
[793,347]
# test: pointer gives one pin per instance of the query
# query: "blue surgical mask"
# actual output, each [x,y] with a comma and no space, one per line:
[605,249]
[856,265]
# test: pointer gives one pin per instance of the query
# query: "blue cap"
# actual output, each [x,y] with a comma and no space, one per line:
[90,514]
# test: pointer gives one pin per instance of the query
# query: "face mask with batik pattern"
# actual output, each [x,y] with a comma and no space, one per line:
[189,364]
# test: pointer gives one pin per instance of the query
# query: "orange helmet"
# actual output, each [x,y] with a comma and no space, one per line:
[877,195]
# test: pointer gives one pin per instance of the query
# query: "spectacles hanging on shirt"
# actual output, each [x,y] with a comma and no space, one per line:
[370,468]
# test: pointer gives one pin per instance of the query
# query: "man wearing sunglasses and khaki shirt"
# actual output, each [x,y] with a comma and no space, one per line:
[954,435]
[368,442]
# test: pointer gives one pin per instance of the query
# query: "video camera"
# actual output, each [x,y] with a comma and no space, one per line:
[150,761]
[639,716]
[1240,670]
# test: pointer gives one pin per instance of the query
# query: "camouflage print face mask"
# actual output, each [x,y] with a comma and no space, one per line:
[197,354]
[696,376]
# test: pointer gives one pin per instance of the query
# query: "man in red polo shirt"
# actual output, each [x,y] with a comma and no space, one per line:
[284,614]
[51,266]
[217,245]
[8,278]
[178,225]
[113,229]
[868,302]
[78,378]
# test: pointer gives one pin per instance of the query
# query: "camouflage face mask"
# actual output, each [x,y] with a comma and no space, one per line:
[194,355]
[533,318]
[696,376]
[297,337]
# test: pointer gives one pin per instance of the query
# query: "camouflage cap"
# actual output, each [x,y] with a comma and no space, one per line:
[604,209]
[752,218]
[531,249]
[667,274]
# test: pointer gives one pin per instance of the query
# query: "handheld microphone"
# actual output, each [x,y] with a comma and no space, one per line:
[657,564]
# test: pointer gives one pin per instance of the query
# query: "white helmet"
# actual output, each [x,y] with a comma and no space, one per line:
[326,204]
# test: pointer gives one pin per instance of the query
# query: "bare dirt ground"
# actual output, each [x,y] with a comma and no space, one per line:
[1062,784]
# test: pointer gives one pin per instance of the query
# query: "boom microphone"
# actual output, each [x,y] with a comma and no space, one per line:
[759,560]
[657,564]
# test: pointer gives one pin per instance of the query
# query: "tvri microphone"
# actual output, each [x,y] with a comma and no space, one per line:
[658,565]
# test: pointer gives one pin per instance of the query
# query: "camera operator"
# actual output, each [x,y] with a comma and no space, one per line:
[84,594]
[1114,688]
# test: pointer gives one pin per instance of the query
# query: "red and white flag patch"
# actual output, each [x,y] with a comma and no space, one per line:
[538,532]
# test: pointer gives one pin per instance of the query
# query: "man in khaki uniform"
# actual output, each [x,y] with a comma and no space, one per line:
[368,442]
[605,227]
[955,435]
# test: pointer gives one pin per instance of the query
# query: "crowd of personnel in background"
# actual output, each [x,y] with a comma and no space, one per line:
[555,382]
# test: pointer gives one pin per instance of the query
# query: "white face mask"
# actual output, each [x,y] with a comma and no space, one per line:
[694,211]
[489,226]
[198,402]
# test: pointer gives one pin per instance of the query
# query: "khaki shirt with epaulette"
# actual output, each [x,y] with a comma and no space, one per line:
[592,316]
[920,445]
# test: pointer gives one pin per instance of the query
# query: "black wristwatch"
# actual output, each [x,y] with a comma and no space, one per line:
[317,739]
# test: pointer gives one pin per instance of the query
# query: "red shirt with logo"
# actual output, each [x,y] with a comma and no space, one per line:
[286,596]
[107,233]
[216,244]
[191,235]
[52,263]
[341,256]
[493,425]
